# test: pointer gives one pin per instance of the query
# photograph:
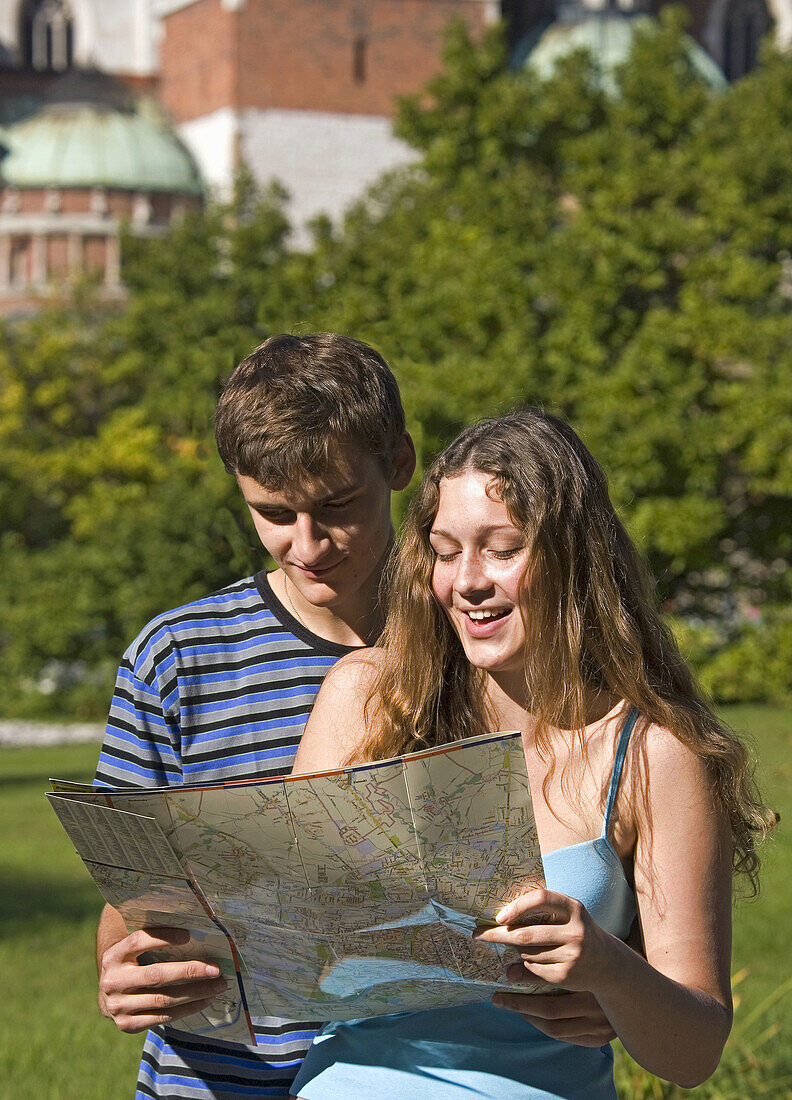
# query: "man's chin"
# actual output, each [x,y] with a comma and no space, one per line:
[318,592]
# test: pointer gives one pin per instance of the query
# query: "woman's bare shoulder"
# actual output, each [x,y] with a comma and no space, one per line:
[338,722]
[354,672]
[664,751]
[665,774]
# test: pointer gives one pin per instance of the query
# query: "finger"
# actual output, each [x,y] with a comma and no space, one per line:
[131,1024]
[130,978]
[521,971]
[517,973]
[530,937]
[536,904]
[165,1000]
[579,1031]
[157,974]
[562,1006]
[146,939]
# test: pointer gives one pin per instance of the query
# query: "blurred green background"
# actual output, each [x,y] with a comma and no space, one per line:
[618,250]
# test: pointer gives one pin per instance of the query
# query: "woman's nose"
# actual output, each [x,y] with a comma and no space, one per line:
[470,575]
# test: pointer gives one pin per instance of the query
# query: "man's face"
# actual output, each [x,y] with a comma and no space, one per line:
[330,534]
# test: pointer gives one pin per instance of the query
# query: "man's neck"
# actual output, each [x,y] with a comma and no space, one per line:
[354,622]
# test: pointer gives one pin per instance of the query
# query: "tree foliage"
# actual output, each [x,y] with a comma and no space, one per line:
[115,506]
[619,251]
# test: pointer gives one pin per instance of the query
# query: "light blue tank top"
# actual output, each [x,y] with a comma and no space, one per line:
[479,1052]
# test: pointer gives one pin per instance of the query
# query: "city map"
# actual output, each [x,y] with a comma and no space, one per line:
[332,896]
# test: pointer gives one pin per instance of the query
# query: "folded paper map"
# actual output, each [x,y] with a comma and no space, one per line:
[332,896]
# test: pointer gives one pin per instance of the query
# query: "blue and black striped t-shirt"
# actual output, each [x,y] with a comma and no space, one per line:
[219,689]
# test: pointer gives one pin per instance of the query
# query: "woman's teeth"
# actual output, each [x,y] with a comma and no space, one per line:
[481,616]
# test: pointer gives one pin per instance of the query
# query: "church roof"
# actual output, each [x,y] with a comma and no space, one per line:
[608,36]
[77,140]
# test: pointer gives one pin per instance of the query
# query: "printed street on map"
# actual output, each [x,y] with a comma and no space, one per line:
[332,896]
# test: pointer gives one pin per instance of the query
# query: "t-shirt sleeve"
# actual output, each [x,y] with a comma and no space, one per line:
[142,742]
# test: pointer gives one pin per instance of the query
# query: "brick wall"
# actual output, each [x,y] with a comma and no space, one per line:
[347,56]
[58,257]
[117,204]
[198,59]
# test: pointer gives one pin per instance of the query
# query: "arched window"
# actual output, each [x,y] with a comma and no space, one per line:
[359,60]
[521,16]
[47,35]
[745,24]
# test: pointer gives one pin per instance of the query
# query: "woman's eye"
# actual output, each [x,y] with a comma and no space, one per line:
[448,556]
[505,554]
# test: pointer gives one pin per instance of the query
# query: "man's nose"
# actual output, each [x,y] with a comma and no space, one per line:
[309,540]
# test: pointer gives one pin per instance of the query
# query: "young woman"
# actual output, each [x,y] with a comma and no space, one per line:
[519,602]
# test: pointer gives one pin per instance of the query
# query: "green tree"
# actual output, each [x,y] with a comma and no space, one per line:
[115,506]
[622,258]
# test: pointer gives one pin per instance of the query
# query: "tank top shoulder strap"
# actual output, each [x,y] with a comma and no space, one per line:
[618,763]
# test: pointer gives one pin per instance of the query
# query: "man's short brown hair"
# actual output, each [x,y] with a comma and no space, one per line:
[297,403]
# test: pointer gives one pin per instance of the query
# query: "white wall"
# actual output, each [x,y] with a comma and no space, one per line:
[781,13]
[165,7]
[324,160]
[114,35]
[8,25]
[212,140]
[118,38]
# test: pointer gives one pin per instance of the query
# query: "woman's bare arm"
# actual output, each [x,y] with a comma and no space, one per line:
[672,1010]
[683,873]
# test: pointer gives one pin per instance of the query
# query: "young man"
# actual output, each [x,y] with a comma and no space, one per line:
[313,429]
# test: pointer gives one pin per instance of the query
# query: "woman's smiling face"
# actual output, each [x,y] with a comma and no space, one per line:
[481,562]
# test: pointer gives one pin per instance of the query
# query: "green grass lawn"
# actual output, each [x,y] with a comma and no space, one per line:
[763,928]
[758,1062]
[54,1043]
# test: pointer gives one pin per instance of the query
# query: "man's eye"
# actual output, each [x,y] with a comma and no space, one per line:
[274,517]
[338,505]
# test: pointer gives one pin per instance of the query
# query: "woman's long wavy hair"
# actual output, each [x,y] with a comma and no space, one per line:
[591,617]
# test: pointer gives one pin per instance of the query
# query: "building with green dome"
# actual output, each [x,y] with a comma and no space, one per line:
[605,33]
[74,166]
